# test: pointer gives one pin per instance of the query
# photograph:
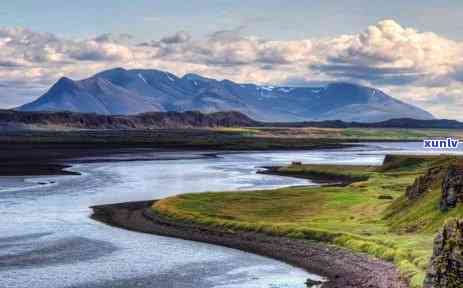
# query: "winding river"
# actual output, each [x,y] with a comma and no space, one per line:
[48,240]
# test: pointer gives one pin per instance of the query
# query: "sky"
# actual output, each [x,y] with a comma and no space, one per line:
[412,50]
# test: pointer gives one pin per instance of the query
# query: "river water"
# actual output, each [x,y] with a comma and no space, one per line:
[48,240]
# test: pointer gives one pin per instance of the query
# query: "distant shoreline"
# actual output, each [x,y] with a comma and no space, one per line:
[52,152]
[342,267]
[40,159]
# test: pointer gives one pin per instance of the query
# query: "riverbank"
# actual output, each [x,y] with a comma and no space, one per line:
[319,177]
[374,214]
[56,159]
[342,267]
[25,153]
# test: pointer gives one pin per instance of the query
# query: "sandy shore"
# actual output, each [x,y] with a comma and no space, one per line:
[343,268]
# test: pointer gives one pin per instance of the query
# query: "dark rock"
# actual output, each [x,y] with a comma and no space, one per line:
[446,266]
[423,183]
[452,188]
[312,283]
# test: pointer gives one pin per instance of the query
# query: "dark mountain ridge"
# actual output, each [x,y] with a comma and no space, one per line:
[189,119]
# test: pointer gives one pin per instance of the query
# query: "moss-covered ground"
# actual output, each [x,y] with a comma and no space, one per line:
[356,216]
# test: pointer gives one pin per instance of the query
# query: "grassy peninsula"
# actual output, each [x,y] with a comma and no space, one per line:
[370,214]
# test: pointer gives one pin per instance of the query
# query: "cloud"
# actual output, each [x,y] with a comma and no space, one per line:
[418,67]
[112,38]
[389,48]
[99,51]
[179,37]
[375,75]
[444,101]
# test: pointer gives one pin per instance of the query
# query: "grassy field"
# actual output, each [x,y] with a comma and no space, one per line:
[370,215]
[221,138]
[346,133]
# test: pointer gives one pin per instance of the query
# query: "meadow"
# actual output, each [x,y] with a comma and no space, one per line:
[370,215]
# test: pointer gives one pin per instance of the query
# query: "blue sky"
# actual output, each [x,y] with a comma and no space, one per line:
[270,19]
[412,50]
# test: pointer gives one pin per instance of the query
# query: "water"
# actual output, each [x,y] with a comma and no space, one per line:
[48,240]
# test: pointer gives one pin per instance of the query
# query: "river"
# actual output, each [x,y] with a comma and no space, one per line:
[48,240]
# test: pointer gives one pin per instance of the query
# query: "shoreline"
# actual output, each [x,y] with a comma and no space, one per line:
[342,267]
[319,179]
[53,159]
[43,154]
[36,169]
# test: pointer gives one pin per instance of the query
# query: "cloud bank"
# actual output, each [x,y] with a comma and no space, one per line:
[422,68]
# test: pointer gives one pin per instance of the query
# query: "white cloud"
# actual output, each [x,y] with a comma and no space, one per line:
[392,49]
[419,67]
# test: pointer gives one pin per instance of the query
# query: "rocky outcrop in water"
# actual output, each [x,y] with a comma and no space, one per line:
[423,183]
[452,188]
[446,266]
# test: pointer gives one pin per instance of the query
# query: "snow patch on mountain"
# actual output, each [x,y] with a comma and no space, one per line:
[142,78]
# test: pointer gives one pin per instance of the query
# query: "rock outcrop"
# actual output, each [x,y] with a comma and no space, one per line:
[452,188]
[446,266]
[423,183]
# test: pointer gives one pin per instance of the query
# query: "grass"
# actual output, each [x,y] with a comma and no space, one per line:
[357,134]
[395,133]
[354,216]
[246,138]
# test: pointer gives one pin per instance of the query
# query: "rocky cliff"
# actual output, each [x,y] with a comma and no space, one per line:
[452,188]
[424,183]
[446,266]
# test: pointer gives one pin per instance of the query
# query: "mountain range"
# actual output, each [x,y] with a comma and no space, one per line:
[126,92]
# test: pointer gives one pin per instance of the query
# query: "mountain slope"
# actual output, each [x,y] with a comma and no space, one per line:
[120,91]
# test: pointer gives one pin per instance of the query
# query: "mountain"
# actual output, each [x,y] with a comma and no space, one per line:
[125,92]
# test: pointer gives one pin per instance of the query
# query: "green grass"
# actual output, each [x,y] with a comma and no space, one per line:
[394,133]
[399,230]
[358,133]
